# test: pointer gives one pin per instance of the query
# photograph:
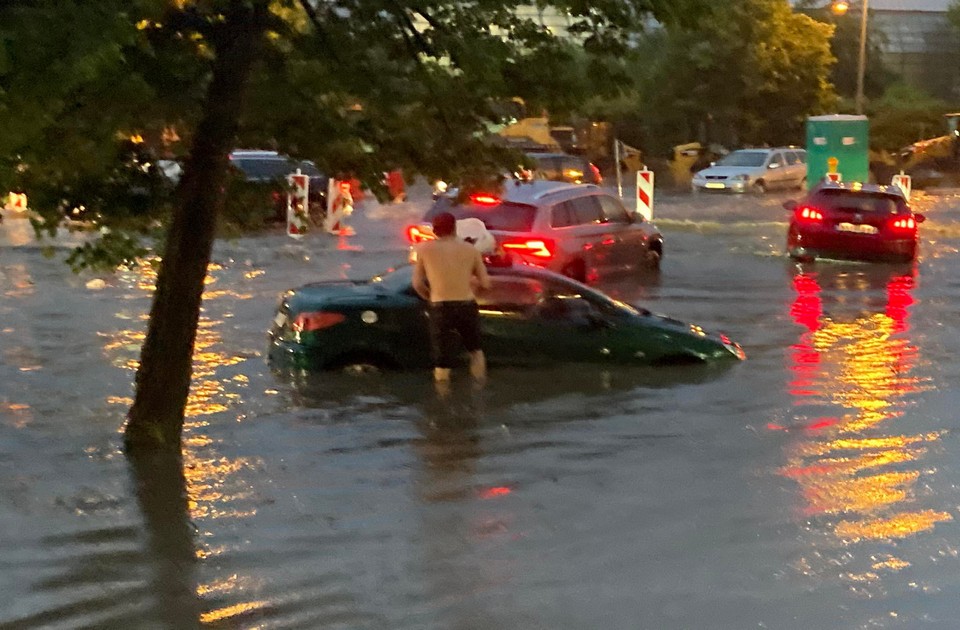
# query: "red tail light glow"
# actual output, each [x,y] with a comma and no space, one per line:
[484,199]
[317,320]
[905,224]
[417,234]
[539,248]
[811,215]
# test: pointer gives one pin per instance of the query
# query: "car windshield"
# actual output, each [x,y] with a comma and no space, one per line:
[851,201]
[504,217]
[743,158]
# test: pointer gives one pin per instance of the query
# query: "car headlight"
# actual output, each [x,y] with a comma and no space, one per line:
[742,177]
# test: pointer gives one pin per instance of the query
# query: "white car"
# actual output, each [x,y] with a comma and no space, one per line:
[755,170]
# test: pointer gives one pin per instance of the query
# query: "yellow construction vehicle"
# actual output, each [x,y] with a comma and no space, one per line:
[936,159]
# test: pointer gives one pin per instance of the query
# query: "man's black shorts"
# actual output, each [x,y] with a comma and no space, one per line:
[448,320]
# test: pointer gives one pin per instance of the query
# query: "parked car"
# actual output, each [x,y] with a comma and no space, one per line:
[578,230]
[561,167]
[853,221]
[754,170]
[269,170]
[530,316]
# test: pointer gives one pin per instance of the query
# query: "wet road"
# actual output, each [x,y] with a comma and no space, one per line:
[813,486]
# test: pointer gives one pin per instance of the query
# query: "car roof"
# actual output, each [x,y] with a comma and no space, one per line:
[533,192]
[254,153]
[768,149]
[860,187]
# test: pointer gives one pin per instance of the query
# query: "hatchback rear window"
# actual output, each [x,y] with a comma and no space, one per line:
[504,217]
[845,200]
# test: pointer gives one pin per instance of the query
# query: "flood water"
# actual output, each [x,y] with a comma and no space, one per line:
[815,485]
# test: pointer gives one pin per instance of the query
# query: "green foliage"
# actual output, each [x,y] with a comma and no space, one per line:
[358,86]
[953,14]
[748,72]
[903,116]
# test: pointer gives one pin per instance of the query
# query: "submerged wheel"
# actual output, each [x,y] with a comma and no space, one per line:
[653,257]
[577,270]
[360,364]
[759,187]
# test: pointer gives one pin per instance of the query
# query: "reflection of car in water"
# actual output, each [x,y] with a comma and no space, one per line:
[754,170]
[578,230]
[853,221]
[529,317]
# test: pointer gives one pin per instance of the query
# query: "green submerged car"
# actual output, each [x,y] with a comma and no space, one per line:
[529,317]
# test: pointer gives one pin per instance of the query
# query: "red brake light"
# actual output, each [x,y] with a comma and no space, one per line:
[417,234]
[906,224]
[812,215]
[539,248]
[484,199]
[317,320]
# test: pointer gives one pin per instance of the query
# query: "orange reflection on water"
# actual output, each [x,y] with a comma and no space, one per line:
[216,485]
[857,361]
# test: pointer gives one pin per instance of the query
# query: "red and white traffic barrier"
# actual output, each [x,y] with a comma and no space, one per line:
[645,194]
[339,206]
[297,204]
[905,183]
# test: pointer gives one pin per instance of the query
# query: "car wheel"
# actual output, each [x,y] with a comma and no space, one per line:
[361,369]
[362,363]
[577,270]
[759,187]
[653,256]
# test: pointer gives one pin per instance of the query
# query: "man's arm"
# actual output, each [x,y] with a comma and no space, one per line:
[420,278]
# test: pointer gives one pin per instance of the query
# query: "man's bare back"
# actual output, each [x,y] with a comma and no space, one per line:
[449,270]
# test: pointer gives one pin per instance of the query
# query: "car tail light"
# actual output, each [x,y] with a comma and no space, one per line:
[484,199]
[316,320]
[903,224]
[809,215]
[539,248]
[417,234]
[597,177]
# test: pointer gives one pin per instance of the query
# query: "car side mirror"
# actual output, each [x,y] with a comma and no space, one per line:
[789,205]
[919,218]
[774,165]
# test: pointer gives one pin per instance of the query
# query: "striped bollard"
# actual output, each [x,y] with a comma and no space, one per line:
[645,194]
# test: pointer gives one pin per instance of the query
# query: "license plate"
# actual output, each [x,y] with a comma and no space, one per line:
[857,228]
[280,320]
[714,185]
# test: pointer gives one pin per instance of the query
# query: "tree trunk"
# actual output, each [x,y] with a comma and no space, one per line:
[163,378]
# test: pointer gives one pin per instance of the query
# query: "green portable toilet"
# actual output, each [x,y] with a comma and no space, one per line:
[840,137]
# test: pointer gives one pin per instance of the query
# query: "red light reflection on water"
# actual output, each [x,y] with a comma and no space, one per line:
[852,367]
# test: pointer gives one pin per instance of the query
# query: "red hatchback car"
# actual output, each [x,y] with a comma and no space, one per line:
[853,221]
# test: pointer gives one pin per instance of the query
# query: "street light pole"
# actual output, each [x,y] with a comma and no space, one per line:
[840,7]
[862,59]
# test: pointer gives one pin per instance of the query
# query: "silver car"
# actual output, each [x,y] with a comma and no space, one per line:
[755,170]
[579,230]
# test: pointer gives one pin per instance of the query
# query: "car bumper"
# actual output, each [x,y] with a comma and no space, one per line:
[850,247]
[724,186]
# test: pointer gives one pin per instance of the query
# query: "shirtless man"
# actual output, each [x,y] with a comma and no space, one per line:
[447,272]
